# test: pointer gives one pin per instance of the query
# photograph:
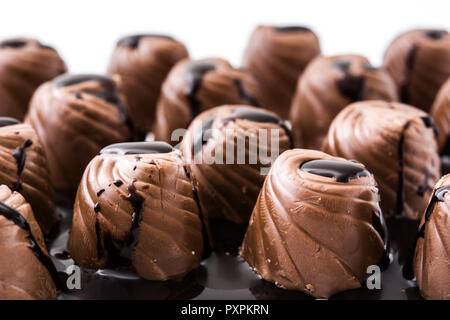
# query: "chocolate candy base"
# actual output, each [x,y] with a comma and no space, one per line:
[222,276]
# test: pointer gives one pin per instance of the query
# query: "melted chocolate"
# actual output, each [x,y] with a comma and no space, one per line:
[195,71]
[19,155]
[13,44]
[15,217]
[118,182]
[435,34]
[401,178]
[133,40]
[350,86]
[342,171]
[410,58]
[147,147]
[245,94]
[292,29]
[202,137]
[7,121]
[429,123]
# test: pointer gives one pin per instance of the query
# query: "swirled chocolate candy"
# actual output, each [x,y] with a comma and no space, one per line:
[327,86]
[142,62]
[136,207]
[419,62]
[24,65]
[23,168]
[440,113]
[277,56]
[317,224]
[227,149]
[194,86]
[26,271]
[396,142]
[75,116]
[432,255]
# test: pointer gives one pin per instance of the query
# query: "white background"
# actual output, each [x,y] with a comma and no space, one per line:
[85,32]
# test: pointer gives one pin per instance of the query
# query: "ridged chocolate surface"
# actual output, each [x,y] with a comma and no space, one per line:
[23,276]
[327,86]
[228,191]
[142,62]
[194,86]
[432,255]
[75,116]
[24,65]
[23,168]
[312,233]
[277,57]
[137,210]
[440,112]
[419,62]
[397,143]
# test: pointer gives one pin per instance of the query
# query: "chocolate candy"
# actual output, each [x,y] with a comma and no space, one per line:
[277,56]
[397,143]
[419,62]
[317,224]
[24,65]
[142,62]
[440,112]
[136,208]
[75,116]
[326,87]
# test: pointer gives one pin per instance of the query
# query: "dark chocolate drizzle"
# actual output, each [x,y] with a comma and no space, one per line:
[100,192]
[202,137]
[287,29]
[7,121]
[401,175]
[435,34]
[146,147]
[342,171]
[13,43]
[245,94]
[118,182]
[20,156]
[350,86]
[429,123]
[195,71]
[17,218]
[409,63]
[133,40]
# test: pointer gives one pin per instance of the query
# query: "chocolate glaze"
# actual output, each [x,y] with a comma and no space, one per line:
[342,171]
[133,40]
[15,217]
[13,43]
[350,86]
[146,147]
[194,75]
[202,137]
[7,121]
[245,94]
[19,155]
[435,34]
[292,29]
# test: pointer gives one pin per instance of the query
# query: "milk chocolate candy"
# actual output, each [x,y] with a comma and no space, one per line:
[227,149]
[440,113]
[24,65]
[327,86]
[26,271]
[23,168]
[75,116]
[277,56]
[419,63]
[194,86]
[432,255]
[317,224]
[142,62]
[136,208]
[397,143]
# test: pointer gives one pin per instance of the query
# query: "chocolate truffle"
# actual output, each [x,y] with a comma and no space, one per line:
[23,167]
[143,62]
[432,255]
[136,207]
[440,113]
[26,271]
[327,86]
[317,224]
[277,56]
[419,63]
[24,65]
[396,142]
[194,86]
[75,116]
[227,149]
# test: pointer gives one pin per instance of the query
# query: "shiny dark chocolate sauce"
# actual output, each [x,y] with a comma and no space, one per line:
[401,174]
[15,217]
[20,156]
[195,71]
[146,147]
[342,171]
[13,44]
[245,94]
[133,40]
[350,86]
[292,29]
[435,34]
[7,121]
[409,63]
[202,137]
